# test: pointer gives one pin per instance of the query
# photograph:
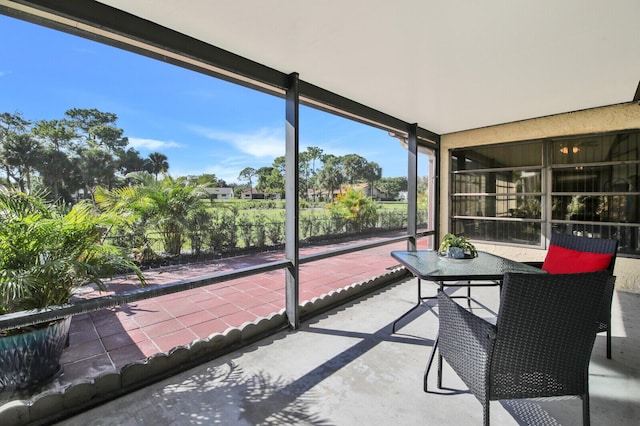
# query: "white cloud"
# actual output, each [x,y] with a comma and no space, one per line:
[262,143]
[152,144]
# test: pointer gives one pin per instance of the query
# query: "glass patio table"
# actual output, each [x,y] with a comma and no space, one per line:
[487,268]
[484,270]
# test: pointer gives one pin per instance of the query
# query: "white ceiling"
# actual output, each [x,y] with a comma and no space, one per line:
[447,65]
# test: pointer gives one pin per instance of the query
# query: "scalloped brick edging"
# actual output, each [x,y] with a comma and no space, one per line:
[353,291]
[83,394]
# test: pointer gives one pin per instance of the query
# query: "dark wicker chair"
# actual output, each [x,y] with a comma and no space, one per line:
[540,345]
[591,245]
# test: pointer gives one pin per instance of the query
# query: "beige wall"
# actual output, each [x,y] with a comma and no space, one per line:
[605,119]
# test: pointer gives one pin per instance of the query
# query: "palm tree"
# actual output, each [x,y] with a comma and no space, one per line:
[158,164]
[168,206]
[47,253]
[331,176]
[314,153]
[247,174]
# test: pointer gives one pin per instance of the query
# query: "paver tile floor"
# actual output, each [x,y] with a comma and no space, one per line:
[112,338]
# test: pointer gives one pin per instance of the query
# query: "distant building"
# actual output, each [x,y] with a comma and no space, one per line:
[220,193]
[252,194]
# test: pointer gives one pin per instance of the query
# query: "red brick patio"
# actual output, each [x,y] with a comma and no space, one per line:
[111,338]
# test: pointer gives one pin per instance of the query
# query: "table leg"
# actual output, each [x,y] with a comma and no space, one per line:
[426,371]
[432,355]
[416,306]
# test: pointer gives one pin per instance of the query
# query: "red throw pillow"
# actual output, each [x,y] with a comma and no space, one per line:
[562,260]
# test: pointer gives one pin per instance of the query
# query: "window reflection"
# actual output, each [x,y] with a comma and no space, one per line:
[498,192]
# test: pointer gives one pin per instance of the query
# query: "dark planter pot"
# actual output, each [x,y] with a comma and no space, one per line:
[456,252]
[32,357]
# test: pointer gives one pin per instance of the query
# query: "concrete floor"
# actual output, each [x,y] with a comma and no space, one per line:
[347,368]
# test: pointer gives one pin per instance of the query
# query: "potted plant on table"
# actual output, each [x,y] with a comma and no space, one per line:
[457,247]
[44,255]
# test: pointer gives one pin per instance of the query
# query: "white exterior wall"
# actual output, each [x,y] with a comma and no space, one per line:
[221,193]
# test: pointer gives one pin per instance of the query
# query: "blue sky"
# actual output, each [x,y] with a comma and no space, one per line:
[202,124]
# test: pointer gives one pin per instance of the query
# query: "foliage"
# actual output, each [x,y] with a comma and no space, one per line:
[45,254]
[199,226]
[423,184]
[270,181]
[223,233]
[85,154]
[168,205]
[423,207]
[331,176]
[71,155]
[575,207]
[95,146]
[313,153]
[356,210]
[451,240]
[258,205]
[393,186]
[305,225]
[371,172]
[390,219]
[208,180]
[57,166]
[260,233]
[245,225]
[353,167]
[248,173]
[157,163]
[275,230]
[18,150]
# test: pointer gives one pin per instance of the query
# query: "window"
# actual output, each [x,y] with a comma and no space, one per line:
[498,193]
[594,190]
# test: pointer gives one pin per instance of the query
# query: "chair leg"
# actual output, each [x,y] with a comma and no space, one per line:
[469,294]
[586,418]
[609,340]
[485,413]
[439,371]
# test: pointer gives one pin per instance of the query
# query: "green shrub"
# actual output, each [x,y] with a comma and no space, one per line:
[259,231]
[245,225]
[355,210]
[275,230]
[223,234]
[199,226]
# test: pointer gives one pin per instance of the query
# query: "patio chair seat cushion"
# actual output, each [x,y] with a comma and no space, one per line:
[560,260]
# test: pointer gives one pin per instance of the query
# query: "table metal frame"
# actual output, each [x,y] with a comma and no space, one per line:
[441,285]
